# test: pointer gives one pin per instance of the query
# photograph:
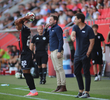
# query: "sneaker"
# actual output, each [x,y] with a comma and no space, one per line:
[40,82]
[43,81]
[32,94]
[99,77]
[96,78]
[85,95]
[79,95]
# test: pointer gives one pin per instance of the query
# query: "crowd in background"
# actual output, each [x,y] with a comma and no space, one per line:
[65,9]
[9,58]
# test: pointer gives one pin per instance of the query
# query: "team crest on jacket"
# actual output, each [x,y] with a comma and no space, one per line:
[44,38]
[98,37]
[37,38]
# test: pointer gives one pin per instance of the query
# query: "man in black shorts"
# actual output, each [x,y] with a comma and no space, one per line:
[84,36]
[26,53]
[41,44]
[97,52]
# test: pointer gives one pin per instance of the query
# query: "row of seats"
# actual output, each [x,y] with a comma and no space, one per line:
[104,13]
[102,21]
[71,6]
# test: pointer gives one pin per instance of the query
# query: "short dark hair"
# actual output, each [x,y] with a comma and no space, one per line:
[95,26]
[80,16]
[54,17]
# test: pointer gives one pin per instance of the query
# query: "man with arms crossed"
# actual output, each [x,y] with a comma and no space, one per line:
[84,36]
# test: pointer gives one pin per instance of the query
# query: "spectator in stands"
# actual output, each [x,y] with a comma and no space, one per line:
[9,50]
[49,8]
[16,15]
[99,4]
[33,5]
[3,57]
[89,13]
[86,11]
[39,2]
[64,7]
[95,13]
[56,14]
[106,4]
[40,11]
[48,18]
[14,56]
[10,19]
[57,7]
[70,17]
[40,21]
[7,15]
[71,45]
[73,18]
[75,5]
[92,3]
[21,7]
[62,17]
[23,12]
[29,6]
[96,53]
[83,4]
[78,10]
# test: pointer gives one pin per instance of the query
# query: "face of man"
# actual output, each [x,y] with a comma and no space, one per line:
[14,48]
[18,27]
[66,33]
[40,30]
[95,29]
[77,21]
[52,21]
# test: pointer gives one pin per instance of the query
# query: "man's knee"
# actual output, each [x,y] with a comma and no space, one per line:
[60,69]
[87,74]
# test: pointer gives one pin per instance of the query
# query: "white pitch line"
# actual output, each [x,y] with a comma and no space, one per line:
[61,94]
[22,96]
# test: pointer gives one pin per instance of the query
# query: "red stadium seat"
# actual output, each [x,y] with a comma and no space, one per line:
[70,6]
[79,5]
[108,21]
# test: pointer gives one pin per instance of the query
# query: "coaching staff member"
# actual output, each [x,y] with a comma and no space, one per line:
[26,53]
[84,36]
[56,48]
[41,42]
[96,53]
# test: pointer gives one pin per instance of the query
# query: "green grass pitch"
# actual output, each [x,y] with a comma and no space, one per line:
[17,89]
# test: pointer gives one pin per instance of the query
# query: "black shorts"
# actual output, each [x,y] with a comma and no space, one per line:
[26,60]
[97,57]
[41,58]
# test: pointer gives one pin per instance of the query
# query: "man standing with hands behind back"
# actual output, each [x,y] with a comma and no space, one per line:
[84,36]
[56,48]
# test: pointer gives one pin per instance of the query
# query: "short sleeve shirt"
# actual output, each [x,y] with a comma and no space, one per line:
[82,39]
[40,42]
[98,39]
